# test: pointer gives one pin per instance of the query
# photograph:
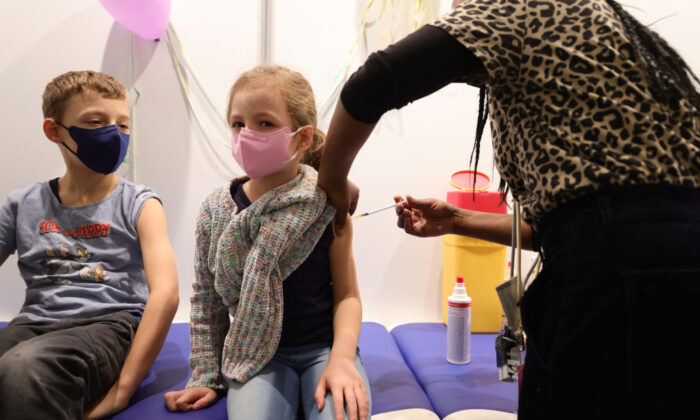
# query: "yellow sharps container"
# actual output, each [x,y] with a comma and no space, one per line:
[481,263]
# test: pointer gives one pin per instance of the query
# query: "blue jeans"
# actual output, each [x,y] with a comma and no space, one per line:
[286,387]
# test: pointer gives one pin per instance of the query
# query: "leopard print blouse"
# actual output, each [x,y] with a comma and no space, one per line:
[571,111]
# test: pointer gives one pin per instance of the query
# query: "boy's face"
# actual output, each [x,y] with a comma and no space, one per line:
[88,109]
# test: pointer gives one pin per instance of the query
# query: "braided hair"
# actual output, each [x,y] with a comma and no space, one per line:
[670,79]
[668,74]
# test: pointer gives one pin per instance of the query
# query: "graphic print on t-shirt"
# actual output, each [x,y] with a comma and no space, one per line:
[64,259]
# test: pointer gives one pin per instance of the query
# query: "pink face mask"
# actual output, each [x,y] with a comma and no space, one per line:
[261,154]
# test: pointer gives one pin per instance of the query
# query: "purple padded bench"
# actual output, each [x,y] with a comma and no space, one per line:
[392,384]
[453,388]
[169,372]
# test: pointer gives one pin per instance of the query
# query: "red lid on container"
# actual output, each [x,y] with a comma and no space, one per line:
[468,180]
[474,197]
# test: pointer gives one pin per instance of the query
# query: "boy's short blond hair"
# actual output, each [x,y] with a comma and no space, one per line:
[62,87]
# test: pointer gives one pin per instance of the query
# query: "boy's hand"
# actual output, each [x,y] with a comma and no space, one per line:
[345,383]
[189,399]
[425,217]
[114,401]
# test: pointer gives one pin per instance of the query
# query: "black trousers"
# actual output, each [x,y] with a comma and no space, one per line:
[612,320]
[57,369]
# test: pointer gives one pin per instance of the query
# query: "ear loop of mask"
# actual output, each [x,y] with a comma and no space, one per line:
[296,153]
[64,143]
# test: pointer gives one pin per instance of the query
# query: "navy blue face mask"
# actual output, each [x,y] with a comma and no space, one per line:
[100,149]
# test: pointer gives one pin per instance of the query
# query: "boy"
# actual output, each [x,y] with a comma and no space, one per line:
[94,252]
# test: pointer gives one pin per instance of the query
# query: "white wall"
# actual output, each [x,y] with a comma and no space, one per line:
[413,150]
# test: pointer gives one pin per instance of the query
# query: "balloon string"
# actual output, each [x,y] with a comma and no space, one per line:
[131,80]
[342,74]
[186,90]
[383,15]
[198,80]
[426,12]
[188,97]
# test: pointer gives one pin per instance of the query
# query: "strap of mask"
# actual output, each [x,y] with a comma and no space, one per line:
[296,153]
[63,143]
[292,134]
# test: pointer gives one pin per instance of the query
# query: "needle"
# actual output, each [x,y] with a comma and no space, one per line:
[392,205]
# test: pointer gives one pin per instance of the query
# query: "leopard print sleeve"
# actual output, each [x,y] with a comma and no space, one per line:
[493,30]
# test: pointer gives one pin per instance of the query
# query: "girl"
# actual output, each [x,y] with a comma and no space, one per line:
[267,256]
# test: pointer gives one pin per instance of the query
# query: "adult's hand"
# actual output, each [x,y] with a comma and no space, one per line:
[425,217]
[432,217]
[343,194]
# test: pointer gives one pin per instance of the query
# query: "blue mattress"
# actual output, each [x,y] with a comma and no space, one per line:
[449,387]
[169,372]
[392,383]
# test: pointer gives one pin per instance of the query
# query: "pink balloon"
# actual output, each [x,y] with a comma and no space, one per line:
[146,18]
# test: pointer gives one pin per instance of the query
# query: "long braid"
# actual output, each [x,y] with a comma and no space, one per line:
[481,119]
[668,74]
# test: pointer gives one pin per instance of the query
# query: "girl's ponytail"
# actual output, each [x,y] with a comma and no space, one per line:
[312,155]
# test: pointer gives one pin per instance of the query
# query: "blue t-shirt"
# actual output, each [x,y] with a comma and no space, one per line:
[308,291]
[77,262]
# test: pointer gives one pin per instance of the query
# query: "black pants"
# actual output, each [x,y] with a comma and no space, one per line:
[612,320]
[57,369]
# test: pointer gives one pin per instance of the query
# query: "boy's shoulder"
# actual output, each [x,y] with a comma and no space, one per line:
[40,200]
[131,198]
[22,193]
[128,190]
[37,195]
[124,189]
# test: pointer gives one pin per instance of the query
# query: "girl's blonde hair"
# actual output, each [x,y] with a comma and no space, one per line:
[298,96]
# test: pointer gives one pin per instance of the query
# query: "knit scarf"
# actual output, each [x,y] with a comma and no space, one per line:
[259,248]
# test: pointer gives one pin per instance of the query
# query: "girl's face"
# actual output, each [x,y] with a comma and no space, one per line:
[261,108]
[264,109]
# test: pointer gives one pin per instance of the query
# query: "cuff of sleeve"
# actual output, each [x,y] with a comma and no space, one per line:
[217,385]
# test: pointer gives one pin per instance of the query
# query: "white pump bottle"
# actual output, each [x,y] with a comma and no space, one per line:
[459,324]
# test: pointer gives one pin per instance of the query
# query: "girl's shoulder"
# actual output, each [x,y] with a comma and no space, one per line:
[219,200]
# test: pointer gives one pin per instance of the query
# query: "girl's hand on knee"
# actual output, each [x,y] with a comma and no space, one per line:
[189,399]
[347,389]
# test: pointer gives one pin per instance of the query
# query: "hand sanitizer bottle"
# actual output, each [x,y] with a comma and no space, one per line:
[459,324]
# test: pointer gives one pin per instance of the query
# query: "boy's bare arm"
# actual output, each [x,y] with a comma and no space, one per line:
[161,276]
